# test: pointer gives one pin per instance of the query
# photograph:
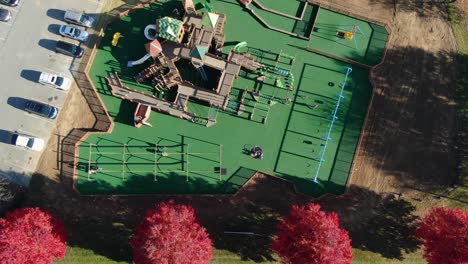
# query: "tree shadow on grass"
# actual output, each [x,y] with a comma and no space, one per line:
[249,235]
[389,231]
[104,223]
[411,125]
[380,223]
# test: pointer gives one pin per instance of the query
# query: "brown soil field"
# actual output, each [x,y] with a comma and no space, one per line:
[406,150]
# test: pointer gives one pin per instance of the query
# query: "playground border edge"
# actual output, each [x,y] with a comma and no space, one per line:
[109,124]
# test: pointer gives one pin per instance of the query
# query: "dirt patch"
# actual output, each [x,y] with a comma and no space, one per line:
[411,123]
[74,114]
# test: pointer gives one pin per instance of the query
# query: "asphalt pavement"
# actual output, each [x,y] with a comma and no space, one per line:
[27,45]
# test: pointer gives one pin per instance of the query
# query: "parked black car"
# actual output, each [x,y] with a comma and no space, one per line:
[69,49]
[41,109]
[5,15]
[9,2]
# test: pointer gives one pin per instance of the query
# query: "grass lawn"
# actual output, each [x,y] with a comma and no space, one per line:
[77,255]
[460,27]
[80,255]
[459,20]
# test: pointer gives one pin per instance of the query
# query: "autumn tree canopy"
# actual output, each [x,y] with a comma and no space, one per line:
[444,233]
[30,235]
[170,233]
[309,235]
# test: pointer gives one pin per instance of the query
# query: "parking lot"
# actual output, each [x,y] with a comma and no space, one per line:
[27,45]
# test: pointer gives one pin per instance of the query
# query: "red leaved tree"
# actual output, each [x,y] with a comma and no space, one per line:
[444,233]
[168,234]
[309,235]
[30,235]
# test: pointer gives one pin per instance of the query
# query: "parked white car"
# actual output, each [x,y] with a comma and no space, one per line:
[73,33]
[57,81]
[28,142]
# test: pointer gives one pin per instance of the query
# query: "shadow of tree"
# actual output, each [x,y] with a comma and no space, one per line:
[412,122]
[411,131]
[249,234]
[380,223]
[422,8]
[12,195]
[389,231]
[104,223]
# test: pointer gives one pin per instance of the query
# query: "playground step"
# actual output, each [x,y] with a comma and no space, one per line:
[199,120]
[241,109]
[232,107]
[264,99]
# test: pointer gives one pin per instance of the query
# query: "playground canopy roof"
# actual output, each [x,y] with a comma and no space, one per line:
[153,48]
[210,19]
[199,52]
[169,28]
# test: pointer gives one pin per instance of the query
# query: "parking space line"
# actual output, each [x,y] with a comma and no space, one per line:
[53,71]
[11,9]
[66,73]
[18,165]
[53,88]
[35,116]
[27,131]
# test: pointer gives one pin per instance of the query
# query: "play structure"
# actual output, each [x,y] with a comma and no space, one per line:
[115,38]
[196,38]
[153,49]
[275,106]
[157,160]
[334,117]
[239,46]
[303,20]
[349,35]
[148,29]
[141,115]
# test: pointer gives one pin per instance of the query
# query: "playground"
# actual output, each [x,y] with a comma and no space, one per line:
[297,115]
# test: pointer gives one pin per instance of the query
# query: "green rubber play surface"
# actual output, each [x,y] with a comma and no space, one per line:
[176,156]
[367,45]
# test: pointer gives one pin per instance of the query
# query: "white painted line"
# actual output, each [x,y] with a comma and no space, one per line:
[67,74]
[52,71]
[36,116]
[26,132]
[18,165]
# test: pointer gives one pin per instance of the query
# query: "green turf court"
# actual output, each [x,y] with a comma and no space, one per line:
[275,20]
[366,47]
[175,156]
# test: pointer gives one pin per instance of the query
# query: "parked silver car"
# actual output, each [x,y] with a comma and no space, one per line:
[79,18]
[73,33]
